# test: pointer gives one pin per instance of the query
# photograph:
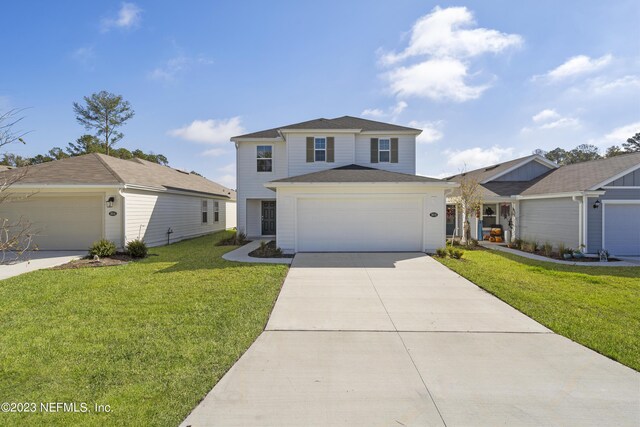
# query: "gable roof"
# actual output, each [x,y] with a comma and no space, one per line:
[100,169]
[583,176]
[339,123]
[488,173]
[356,174]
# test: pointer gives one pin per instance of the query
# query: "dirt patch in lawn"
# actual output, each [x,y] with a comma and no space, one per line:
[117,259]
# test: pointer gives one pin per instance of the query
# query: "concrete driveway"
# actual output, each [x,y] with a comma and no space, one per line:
[37,260]
[398,339]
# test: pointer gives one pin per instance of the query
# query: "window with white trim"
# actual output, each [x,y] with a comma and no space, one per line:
[320,149]
[264,158]
[384,150]
[216,211]
[205,212]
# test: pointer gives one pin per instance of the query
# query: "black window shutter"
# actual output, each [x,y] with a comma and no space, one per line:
[394,150]
[310,149]
[330,149]
[374,150]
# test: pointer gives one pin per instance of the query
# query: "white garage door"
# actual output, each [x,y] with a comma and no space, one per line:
[359,224]
[622,229]
[60,222]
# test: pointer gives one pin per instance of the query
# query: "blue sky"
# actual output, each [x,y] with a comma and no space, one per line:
[487,81]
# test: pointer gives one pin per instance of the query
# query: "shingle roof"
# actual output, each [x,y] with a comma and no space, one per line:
[100,169]
[356,173]
[487,172]
[344,122]
[582,176]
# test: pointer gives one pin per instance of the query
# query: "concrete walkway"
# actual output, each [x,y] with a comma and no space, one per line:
[400,340]
[32,261]
[242,254]
[628,262]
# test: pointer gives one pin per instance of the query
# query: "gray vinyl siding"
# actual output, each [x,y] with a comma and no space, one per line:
[632,179]
[594,216]
[550,220]
[525,172]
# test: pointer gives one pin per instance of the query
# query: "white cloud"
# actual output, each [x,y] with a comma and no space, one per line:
[551,119]
[228,180]
[545,116]
[212,131]
[431,131]
[601,85]
[129,16]
[84,55]
[575,66]
[622,133]
[229,168]
[373,112]
[437,79]
[393,112]
[446,41]
[173,67]
[445,33]
[473,158]
[215,152]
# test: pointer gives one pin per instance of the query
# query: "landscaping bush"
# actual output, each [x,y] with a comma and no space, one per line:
[267,250]
[547,248]
[102,248]
[238,239]
[455,253]
[562,249]
[441,252]
[137,249]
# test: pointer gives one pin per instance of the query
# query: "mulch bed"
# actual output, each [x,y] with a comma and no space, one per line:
[269,251]
[117,259]
[572,259]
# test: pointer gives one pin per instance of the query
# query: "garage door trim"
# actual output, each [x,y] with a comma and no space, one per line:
[386,196]
[604,210]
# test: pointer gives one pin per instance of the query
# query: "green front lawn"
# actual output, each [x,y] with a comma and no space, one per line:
[150,338]
[598,307]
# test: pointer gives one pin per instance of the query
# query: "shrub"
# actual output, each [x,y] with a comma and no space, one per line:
[455,253]
[137,249]
[562,249]
[238,239]
[472,243]
[102,248]
[441,252]
[547,248]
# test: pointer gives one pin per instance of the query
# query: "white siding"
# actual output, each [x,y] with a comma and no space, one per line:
[550,220]
[113,224]
[406,153]
[230,214]
[253,225]
[297,153]
[251,182]
[432,198]
[149,215]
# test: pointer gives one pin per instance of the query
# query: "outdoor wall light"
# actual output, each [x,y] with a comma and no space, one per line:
[110,201]
[596,205]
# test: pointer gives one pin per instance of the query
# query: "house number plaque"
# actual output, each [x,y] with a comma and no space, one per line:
[433,214]
[113,213]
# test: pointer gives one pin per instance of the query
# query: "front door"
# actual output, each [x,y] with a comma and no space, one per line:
[268,218]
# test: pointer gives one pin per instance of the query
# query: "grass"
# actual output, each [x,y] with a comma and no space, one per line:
[598,307]
[150,338]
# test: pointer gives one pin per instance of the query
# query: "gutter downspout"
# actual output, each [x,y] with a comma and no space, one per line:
[579,200]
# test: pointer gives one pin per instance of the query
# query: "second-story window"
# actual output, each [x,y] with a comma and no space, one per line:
[265,158]
[320,149]
[384,150]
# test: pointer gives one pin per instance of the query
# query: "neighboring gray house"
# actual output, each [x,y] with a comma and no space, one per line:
[72,202]
[594,205]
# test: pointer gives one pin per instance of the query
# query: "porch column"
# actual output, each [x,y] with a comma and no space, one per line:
[515,206]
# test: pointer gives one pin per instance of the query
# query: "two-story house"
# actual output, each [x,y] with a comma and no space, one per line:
[343,184]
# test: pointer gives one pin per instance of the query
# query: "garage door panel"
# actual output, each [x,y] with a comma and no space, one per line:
[361,224]
[59,222]
[622,229]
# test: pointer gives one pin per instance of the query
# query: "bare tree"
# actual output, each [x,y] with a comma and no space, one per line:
[468,201]
[16,236]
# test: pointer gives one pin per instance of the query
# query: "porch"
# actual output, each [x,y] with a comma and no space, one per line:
[497,212]
[260,218]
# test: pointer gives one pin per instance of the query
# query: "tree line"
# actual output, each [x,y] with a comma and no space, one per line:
[103,113]
[586,152]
